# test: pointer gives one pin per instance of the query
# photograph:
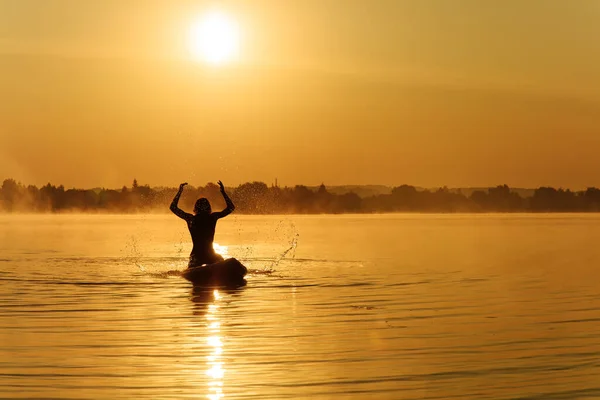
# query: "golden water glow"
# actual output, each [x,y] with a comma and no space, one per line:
[214,362]
[215,38]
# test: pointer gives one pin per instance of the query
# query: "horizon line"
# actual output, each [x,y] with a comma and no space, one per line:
[275,184]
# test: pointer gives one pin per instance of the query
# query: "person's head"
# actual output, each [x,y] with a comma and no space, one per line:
[202,206]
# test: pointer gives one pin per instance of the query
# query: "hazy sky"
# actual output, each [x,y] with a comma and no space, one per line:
[424,92]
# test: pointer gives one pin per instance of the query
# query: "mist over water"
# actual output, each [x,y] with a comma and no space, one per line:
[335,307]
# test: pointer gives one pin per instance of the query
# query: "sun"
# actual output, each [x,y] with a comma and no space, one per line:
[214,38]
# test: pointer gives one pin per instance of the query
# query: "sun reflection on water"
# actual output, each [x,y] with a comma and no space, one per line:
[222,250]
[214,360]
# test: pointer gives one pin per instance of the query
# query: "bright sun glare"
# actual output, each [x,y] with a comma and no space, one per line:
[214,38]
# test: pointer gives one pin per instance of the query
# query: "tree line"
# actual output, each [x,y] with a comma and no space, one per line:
[259,198]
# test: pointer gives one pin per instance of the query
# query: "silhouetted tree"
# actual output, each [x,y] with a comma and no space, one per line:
[405,198]
[10,194]
[547,199]
[591,199]
[348,203]
[252,197]
[323,200]
[302,199]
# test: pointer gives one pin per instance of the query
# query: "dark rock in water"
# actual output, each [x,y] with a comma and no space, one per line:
[225,273]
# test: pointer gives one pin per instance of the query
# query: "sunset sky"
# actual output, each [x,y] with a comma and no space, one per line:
[424,92]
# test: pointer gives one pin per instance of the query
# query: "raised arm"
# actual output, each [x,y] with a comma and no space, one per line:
[230,206]
[176,210]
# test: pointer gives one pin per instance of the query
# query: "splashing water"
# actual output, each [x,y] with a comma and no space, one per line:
[292,248]
[134,253]
[284,232]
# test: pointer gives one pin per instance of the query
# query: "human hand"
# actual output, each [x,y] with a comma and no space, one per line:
[182,185]
[221,186]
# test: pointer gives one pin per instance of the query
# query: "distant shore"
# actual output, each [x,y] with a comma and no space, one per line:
[259,198]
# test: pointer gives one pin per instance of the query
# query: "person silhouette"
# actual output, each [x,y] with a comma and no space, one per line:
[202,226]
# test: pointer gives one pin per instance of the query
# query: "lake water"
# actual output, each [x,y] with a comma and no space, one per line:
[335,307]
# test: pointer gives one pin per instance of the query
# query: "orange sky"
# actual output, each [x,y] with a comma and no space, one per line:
[424,92]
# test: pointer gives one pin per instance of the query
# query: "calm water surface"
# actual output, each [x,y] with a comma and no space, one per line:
[335,307]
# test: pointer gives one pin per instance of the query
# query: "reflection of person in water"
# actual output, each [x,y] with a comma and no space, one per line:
[202,226]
